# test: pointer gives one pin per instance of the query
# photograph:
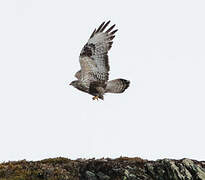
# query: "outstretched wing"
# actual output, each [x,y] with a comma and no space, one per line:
[94,55]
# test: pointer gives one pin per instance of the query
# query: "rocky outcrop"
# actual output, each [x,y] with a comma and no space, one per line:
[122,168]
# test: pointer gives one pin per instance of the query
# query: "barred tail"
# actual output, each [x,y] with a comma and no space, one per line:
[117,86]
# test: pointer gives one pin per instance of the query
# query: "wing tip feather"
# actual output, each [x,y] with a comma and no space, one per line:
[113,32]
[110,29]
[93,33]
[102,27]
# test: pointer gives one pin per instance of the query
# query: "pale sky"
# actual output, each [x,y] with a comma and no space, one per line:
[160,48]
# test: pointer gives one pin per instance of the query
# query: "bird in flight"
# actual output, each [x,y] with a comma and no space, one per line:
[93,76]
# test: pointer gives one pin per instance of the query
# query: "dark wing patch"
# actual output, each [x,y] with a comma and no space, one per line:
[88,50]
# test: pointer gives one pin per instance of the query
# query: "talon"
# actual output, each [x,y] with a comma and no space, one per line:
[95,97]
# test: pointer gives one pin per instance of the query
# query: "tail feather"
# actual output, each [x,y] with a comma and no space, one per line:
[117,86]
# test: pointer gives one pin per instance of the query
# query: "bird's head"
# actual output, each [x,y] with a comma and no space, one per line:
[74,83]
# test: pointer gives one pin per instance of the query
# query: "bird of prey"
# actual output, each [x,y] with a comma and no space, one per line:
[93,76]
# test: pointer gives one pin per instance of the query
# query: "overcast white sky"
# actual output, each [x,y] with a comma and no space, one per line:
[160,48]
